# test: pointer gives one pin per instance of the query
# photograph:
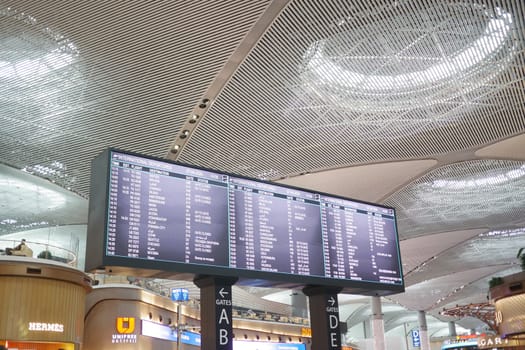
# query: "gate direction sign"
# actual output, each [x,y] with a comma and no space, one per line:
[223,317]
[332,315]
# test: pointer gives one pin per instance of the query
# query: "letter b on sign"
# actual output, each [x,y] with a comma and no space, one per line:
[223,336]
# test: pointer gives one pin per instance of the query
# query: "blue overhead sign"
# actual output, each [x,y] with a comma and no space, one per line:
[160,331]
[256,345]
[180,294]
[416,340]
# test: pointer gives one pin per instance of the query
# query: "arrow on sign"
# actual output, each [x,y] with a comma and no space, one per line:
[331,301]
[222,293]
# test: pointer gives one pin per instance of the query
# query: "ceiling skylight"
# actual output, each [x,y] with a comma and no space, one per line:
[480,182]
[461,195]
[27,68]
[329,71]
[410,66]
[504,233]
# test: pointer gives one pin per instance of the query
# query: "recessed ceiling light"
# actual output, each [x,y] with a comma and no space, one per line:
[194,118]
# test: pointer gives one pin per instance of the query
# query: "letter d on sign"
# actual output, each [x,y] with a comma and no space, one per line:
[334,322]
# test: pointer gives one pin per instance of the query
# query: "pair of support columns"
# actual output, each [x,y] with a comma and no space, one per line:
[217,323]
[379,330]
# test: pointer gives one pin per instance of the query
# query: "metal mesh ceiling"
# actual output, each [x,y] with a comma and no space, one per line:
[338,83]
[480,193]
[83,76]
[494,249]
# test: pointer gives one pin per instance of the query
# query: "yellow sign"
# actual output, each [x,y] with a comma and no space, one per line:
[306,332]
[125,325]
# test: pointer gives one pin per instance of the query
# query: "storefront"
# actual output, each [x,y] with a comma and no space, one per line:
[124,317]
[42,304]
[497,342]
[509,303]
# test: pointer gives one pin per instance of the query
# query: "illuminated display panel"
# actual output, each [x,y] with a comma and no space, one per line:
[149,214]
[274,228]
[164,211]
[360,241]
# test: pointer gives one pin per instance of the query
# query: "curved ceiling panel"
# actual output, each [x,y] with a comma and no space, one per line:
[28,202]
[421,250]
[511,148]
[346,83]
[441,290]
[368,182]
[491,249]
[82,76]
[480,193]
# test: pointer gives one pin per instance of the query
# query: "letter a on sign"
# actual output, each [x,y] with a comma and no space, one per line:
[223,317]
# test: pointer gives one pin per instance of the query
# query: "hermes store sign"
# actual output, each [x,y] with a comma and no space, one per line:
[46,327]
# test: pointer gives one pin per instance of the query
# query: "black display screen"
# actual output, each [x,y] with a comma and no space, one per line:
[359,241]
[163,211]
[162,215]
[274,229]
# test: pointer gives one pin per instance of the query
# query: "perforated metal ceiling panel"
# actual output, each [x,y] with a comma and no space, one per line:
[339,83]
[494,249]
[77,77]
[481,193]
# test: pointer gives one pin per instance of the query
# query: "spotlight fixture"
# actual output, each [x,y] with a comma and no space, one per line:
[175,148]
[184,134]
[194,118]
[204,103]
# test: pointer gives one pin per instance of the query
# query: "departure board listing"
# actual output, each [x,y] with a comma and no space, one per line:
[162,211]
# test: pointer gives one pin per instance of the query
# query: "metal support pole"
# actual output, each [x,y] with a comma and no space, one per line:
[179,330]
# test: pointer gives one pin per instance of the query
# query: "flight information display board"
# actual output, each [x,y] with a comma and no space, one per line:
[166,212]
[148,213]
[274,228]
